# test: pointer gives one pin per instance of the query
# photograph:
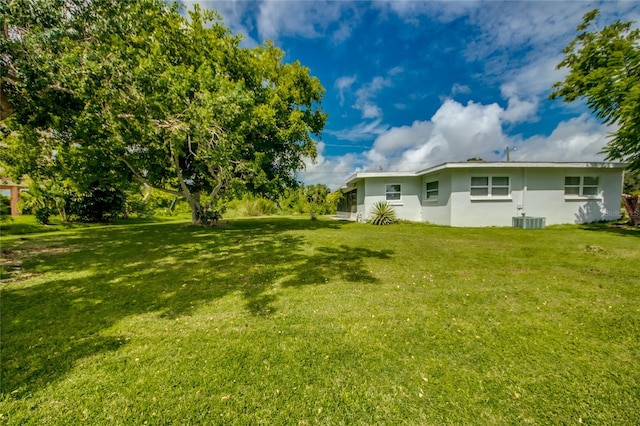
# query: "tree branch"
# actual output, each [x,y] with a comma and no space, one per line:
[146,181]
[219,179]
[185,189]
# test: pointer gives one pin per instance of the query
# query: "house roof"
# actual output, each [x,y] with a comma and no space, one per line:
[484,165]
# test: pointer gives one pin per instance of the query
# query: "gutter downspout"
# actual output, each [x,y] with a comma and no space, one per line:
[521,207]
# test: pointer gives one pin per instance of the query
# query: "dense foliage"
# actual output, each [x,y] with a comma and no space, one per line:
[5,205]
[632,182]
[101,93]
[95,204]
[604,70]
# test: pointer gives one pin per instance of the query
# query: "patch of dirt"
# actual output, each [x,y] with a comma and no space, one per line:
[11,261]
[594,249]
[47,250]
[10,265]
[17,277]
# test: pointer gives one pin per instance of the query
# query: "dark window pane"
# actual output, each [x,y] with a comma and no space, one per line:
[591,180]
[500,181]
[572,180]
[479,181]
[479,191]
[572,190]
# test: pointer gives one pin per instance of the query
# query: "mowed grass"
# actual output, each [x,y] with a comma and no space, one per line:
[292,321]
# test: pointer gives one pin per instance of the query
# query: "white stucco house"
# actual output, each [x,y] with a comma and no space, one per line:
[476,194]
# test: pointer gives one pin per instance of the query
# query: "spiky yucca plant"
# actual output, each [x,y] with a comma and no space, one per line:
[383,214]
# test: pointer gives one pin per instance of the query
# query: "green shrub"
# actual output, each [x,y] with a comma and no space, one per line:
[137,206]
[43,214]
[250,205]
[383,214]
[97,204]
[266,206]
[5,205]
[27,203]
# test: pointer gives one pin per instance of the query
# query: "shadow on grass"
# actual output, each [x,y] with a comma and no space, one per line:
[12,228]
[613,228]
[96,277]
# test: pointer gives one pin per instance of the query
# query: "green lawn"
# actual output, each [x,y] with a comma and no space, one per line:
[292,321]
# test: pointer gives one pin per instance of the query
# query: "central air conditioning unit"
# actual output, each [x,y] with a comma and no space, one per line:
[528,222]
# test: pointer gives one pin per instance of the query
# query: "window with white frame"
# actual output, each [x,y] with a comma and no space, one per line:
[393,192]
[500,186]
[581,185]
[432,191]
[489,186]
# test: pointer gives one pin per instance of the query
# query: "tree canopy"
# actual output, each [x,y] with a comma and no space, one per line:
[604,70]
[109,91]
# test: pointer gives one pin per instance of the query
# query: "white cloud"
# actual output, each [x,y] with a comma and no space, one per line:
[342,33]
[401,138]
[360,132]
[516,41]
[369,110]
[343,84]
[457,132]
[459,88]
[578,139]
[470,127]
[522,42]
[454,133]
[411,10]
[308,19]
[276,19]
[395,71]
[365,94]
[517,110]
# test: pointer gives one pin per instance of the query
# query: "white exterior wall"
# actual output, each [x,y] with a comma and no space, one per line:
[407,208]
[544,196]
[535,191]
[484,211]
[439,211]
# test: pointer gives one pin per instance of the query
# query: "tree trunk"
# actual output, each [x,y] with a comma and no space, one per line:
[192,199]
[632,204]
[196,208]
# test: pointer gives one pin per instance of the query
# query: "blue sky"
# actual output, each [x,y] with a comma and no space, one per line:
[412,84]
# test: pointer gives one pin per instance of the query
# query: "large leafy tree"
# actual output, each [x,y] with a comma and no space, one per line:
[604,70]
[136,90]
[40,103]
